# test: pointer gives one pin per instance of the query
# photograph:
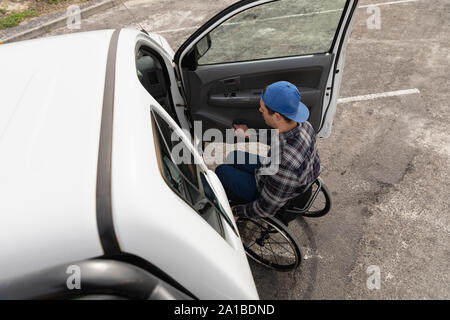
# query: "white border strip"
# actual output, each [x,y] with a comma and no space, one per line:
[379,95]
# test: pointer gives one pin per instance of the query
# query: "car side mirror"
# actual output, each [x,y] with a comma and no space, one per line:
[190,61]
[202,46]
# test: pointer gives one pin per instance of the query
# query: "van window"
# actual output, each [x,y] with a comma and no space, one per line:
[276,29]
[185,179]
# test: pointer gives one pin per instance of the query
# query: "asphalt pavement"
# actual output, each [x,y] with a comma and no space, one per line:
[386,162]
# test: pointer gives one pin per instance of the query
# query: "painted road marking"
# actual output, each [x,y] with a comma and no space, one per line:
[283,17]
[177,30]
[386,3]
[379,95]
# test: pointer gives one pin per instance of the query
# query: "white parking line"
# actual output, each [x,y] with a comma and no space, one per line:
[177,30]
[379,95]
[386,3]
[283,17]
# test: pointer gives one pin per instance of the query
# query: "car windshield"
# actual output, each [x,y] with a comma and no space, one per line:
[184,177]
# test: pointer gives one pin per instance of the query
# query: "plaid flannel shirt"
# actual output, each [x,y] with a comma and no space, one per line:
[299,166]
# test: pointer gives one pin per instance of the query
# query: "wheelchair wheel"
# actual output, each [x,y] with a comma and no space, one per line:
[268,242]
[321,205]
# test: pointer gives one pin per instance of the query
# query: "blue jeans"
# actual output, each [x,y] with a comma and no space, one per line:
[238,175]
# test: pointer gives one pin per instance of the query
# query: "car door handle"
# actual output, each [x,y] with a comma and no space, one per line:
[231,81]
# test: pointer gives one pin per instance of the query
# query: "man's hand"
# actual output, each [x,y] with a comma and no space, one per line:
[241,130]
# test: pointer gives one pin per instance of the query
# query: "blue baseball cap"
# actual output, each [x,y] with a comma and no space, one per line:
[283,97]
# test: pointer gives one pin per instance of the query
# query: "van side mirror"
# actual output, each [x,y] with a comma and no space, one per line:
[190,61]
[202,46]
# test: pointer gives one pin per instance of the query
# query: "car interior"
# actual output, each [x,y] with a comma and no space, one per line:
[225,70]
[184,179]
[231,92]
[153,75]
[226,92]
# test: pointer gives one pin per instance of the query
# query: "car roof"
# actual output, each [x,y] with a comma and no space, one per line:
[50,117]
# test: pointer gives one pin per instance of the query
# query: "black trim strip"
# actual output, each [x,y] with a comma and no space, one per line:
[341,21]
[105,223]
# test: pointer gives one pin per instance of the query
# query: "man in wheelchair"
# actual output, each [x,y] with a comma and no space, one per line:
[254,194]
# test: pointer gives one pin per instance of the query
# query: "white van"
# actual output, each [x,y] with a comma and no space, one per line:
[91,204]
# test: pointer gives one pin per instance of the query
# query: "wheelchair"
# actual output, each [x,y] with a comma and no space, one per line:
[269,242]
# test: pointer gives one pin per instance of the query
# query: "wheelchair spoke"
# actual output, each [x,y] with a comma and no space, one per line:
[287,250]
[260,250]
[282,245]
[274,254]
[267,242]
[285,253]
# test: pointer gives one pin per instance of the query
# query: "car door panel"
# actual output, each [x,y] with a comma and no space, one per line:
[254,43]
[226,92]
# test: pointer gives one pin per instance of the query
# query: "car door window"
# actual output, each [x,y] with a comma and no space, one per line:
[277,29]
[183,178]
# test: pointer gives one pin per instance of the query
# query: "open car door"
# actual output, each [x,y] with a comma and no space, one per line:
[225,64]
